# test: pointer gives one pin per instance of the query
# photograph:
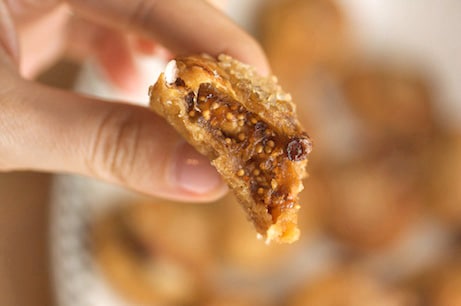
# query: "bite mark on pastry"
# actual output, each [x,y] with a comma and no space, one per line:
[247,126]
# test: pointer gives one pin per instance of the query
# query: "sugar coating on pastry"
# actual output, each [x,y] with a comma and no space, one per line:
[246,124]
[171,72]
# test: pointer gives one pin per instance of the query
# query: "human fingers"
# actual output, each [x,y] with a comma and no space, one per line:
[42,40]
[143,45]
[47,129]
[117,54]
[116,57]
[50,130]
[181,26]
[26,10]
[8,38]
[42,128]
[46,29]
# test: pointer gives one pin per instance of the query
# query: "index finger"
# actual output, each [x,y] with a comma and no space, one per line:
[183,26]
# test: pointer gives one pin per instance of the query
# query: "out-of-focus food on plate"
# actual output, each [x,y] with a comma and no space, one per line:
[444,181]
[445,287]
[305,41]
[312,197]
[144,272]
[371,201]
[439,285]
[364,103]
[247,125]
[373,121]
[349,287]
[390,98]
[154,251]
[342,95]
[186,231]
[238,298]
[301,36]
[238,250]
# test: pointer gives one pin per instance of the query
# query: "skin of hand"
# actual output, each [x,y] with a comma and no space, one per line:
[47,129]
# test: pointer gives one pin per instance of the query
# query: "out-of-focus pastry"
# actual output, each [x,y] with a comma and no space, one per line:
[444,182]
[142,273]
[301,36]
[188,231]
[305,41]
[242,254]
[364,103]
[439,285]
[232,297]
[446,287]
[390,98]
[373,200]
[349,287]
[246,124]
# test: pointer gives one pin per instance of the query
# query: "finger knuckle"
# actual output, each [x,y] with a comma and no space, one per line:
[114,146]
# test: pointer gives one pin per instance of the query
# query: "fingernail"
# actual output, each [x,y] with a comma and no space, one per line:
[193,171]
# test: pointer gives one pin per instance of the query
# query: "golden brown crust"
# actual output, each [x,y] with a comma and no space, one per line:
[370,202]
[247,126]
[389,98]
[445,175]
[346,286]
[314,36]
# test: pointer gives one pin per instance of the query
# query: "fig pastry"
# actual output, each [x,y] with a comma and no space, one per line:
[248,128]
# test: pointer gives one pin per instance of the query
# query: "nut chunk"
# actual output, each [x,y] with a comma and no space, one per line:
[247,126]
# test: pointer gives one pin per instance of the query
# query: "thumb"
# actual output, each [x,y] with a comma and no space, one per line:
[47,129]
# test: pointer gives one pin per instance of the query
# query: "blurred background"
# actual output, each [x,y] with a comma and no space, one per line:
[376,87]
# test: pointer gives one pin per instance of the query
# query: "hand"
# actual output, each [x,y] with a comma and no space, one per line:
[46,129]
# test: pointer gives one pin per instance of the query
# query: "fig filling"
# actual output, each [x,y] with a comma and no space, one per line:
[263,158]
